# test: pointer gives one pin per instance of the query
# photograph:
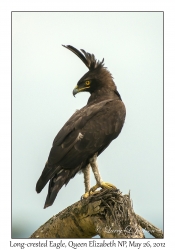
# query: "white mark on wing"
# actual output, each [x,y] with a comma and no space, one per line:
[80,136]
[59,178]
[61,171]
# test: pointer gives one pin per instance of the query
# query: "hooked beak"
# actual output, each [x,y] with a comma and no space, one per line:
[75,90]
[78,89]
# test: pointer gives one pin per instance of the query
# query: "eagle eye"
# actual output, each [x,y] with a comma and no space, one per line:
[87,83]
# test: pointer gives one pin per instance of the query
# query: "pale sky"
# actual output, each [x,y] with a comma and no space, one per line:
[43,76]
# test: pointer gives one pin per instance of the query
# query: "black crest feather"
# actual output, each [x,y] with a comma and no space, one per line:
[88,59]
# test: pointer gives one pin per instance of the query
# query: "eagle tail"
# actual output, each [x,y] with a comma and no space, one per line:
[56,183]
[47,174]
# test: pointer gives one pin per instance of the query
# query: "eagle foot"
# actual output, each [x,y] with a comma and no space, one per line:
[103,185]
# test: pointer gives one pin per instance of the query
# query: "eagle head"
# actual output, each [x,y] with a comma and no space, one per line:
[97,78]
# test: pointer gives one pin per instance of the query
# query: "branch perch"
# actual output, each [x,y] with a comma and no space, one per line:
[107,213]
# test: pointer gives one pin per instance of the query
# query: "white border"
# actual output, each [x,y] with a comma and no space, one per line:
[5,93]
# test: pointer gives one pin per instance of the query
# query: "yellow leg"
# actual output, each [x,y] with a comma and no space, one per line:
[100,183]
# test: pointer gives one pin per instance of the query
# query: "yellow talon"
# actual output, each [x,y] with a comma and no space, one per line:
[107,185]
[104,185]
[87,194]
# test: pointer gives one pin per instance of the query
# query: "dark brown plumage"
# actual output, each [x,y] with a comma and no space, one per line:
[88,131]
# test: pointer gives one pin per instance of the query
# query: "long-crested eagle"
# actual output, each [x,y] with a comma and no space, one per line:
[87,133]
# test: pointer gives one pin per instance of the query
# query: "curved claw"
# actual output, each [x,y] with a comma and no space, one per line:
[107,185]
[104,185]
[87,194]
